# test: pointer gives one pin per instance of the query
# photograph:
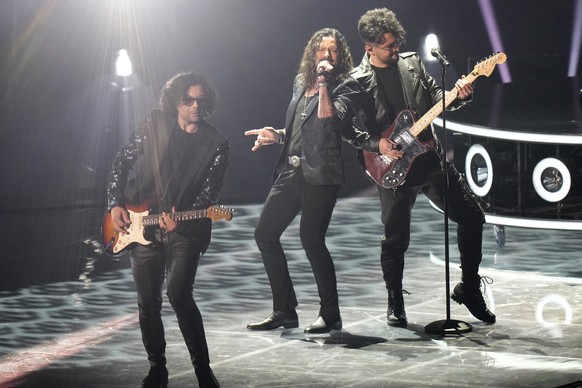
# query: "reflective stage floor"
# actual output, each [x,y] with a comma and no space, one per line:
[84,333]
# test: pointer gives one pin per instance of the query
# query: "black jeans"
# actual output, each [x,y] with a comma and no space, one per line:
[463,209]
[289,196]
[177,257]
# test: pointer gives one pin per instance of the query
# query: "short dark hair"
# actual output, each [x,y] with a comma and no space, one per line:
[376,22]
[177,87]
[307,67]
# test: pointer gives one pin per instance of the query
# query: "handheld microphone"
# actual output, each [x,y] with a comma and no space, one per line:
[436,52]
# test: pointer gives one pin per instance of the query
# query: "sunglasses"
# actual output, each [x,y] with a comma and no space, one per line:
[189,101]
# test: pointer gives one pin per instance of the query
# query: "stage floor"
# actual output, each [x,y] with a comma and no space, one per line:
[84,333]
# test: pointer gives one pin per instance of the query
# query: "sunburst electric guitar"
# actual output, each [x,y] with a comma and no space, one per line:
[391,173]
[115,243]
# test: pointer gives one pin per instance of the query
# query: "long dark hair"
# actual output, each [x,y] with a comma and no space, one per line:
[307,67]
[177,87]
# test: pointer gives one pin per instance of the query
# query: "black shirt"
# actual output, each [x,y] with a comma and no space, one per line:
[390,88]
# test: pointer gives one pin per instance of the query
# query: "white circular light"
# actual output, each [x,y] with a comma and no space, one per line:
[480,189]
[551,171]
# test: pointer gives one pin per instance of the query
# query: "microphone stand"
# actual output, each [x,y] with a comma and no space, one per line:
[446,326]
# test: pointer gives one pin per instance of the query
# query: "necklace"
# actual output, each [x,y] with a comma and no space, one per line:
[306,102]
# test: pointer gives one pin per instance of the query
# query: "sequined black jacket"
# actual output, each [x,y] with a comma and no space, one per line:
[133,174]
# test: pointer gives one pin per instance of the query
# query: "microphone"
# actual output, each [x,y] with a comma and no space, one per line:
[436,52]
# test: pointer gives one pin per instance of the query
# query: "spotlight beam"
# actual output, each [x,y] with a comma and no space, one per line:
[494,37]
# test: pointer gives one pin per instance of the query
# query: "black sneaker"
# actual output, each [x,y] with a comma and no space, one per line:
[472,298]
[395,314]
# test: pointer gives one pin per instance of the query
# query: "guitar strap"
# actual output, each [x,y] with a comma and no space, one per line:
[406,73]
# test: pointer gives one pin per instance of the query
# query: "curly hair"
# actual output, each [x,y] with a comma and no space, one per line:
[376,22]
[308,67]
[177,87]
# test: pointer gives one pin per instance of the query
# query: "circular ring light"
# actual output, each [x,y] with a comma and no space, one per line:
[479,170]
[551,179]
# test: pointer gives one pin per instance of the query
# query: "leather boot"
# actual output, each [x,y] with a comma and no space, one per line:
[469,294]
[395,314]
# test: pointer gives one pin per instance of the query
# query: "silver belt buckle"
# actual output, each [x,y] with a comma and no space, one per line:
[295,161]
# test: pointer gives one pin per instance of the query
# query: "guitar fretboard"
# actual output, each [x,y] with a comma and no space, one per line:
[153,219]
[437,109]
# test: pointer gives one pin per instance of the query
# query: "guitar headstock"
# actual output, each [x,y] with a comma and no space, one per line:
[486,66]
[219,212]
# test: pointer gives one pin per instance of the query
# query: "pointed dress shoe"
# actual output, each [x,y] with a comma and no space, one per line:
[287,319]
[322,326]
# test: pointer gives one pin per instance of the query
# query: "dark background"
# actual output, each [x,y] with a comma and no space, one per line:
[64,114]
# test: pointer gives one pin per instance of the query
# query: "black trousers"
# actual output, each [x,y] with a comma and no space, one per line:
[463,209]
[177,257]
[290,195]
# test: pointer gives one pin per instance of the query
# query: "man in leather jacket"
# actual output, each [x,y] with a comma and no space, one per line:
[308,176]
[178,160]
[393,82]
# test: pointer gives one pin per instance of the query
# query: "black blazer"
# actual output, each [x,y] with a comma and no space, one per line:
[321,159]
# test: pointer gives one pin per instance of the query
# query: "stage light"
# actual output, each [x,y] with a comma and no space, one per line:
[123,66]
[576,40]
[431,41]
[551,179]
[494,37]
[479,170]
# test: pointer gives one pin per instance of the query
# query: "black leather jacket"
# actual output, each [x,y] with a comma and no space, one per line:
[134,169]
[421,92]
[321,161]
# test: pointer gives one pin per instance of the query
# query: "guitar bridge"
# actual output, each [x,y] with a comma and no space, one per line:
[386,159]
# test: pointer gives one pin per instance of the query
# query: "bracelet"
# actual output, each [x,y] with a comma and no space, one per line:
[281,137]
[322,84]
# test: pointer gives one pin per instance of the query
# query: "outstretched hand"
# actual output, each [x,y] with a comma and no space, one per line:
[265,136]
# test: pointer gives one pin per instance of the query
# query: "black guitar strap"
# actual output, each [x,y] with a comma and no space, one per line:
[406,74]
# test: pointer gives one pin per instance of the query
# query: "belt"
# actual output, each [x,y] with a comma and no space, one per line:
[294,160]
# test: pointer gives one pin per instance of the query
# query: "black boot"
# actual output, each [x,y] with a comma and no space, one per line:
[156,378]
[469,294]
[206,378]
[395,314]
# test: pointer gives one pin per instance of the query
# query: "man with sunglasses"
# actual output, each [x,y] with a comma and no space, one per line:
[394,82]
[176,160]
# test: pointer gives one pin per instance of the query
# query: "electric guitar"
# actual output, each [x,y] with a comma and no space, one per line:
[391,173]
[115,243]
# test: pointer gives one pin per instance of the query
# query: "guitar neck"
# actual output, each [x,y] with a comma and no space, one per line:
[437,109]
[153,219]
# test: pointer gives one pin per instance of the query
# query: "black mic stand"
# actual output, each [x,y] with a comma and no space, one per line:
[446,326]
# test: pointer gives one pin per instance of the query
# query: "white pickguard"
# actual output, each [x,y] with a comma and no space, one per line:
[135,232]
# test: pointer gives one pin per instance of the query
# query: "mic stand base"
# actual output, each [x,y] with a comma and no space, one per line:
[448,327]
